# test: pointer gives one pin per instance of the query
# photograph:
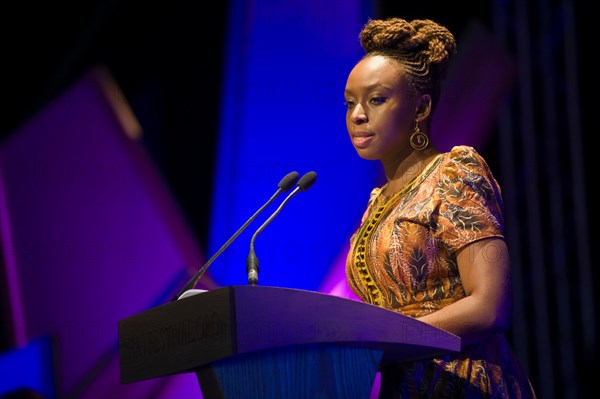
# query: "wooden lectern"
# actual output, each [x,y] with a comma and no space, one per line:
[269,342]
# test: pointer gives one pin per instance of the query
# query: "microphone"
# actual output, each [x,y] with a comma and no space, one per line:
[286,183]
[304,184]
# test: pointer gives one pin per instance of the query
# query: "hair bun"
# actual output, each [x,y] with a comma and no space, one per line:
[441,42]
[397,37]
[388,34]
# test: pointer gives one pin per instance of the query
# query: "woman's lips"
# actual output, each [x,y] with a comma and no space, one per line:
[362,140]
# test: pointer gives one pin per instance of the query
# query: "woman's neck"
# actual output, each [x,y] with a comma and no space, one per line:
[406,167]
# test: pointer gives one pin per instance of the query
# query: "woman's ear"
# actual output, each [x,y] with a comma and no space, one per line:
[423,107]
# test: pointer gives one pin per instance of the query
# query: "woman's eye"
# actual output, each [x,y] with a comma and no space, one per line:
[349,104]
[377,100]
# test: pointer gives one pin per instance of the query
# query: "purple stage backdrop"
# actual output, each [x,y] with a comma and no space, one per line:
[90,235]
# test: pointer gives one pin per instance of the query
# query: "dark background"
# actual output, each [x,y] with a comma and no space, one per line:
[167,57]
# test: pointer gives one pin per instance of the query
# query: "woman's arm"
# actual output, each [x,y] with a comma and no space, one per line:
[484,268]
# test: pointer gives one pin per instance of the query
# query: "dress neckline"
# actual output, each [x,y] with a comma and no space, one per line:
[383,199]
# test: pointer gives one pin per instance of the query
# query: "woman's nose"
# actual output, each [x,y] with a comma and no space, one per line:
[358,115]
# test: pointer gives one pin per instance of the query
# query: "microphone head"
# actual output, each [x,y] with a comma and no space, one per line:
[307,181]
[288,181]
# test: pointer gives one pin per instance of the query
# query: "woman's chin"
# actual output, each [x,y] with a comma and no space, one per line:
[367,155]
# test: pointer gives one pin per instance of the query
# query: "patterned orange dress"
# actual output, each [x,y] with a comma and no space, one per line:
[403,258]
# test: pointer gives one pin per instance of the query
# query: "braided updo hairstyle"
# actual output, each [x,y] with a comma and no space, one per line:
[422,46]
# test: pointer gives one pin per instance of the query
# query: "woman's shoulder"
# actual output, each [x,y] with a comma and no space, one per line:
[464,154]
[466,170]
[374,193]
[464,159]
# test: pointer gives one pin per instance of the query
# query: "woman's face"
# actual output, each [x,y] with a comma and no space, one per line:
[381,112]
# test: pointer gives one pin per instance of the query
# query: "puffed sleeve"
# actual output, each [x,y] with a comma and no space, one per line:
[374,193]
[469,200]
[372,196]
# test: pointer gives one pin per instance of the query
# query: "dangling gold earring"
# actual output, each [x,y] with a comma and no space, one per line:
[418,140]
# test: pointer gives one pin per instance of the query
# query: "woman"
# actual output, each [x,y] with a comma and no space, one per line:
[431,243]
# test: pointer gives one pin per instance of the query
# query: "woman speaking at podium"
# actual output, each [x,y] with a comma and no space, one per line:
[431,242]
